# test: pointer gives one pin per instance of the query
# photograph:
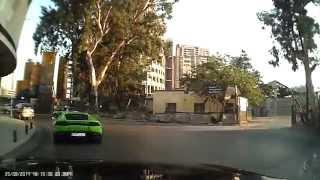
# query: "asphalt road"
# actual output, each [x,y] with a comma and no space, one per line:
[280,152]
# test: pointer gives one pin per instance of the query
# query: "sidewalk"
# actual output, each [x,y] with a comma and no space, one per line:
[272,122]
[255,124]
[11,130]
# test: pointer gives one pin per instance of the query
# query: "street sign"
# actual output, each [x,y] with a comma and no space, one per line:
[214,90]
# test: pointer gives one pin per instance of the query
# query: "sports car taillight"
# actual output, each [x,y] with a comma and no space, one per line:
[93,124]
[61,123]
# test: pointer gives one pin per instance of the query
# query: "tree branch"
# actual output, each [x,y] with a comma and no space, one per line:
[294,39]
[138,13]
[130,40]
[313,67]
[98,19]
[104,29]
[105,22]
[110,60]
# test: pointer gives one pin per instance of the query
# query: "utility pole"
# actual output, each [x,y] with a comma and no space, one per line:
[11,99]
[235,109]
[237,104]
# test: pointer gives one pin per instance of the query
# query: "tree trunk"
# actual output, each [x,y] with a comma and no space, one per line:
[310,96]
[96,101]
[94,83]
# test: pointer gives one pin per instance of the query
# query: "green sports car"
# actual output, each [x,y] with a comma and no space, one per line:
[76,125]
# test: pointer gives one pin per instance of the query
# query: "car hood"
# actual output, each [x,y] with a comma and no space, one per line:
[128,170]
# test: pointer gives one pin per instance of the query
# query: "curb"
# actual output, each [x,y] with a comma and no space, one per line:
[141,123]
[26,144]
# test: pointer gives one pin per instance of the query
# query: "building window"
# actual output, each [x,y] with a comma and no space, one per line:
[171,107]
[199,108]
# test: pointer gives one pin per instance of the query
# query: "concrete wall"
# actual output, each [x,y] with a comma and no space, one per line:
[188,118]
[184,102]
[7,128]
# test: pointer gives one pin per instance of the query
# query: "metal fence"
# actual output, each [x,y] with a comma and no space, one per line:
[274,107]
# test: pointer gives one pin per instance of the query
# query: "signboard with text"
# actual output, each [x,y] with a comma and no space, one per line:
[214,90]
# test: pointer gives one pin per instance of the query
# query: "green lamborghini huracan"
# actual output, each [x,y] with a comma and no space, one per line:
[69,125]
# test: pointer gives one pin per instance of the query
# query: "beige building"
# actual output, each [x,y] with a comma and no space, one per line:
[7,93]
[155,77]
[178,101]
[187,58]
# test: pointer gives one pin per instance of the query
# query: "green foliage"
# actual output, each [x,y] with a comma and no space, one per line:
[223,75]
[124,79]
[135,28]
[293,31]
[168,48]
[60,26]
[242,61]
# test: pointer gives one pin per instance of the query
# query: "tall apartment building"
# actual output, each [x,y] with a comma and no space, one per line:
[31,80]
[187,58]
[64,84]
[170,73]
[155,77]
[28,69]
[48,63]
[38,81]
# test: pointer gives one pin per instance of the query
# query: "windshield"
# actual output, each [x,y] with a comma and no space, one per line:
[76,116]
[210,84]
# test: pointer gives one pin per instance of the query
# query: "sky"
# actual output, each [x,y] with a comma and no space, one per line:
[231,25]
[221,26]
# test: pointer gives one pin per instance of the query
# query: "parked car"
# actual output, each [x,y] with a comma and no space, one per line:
[76,125]
[24,111]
